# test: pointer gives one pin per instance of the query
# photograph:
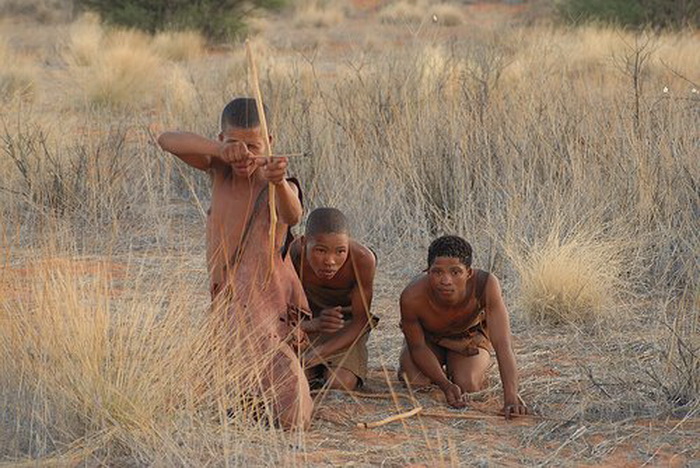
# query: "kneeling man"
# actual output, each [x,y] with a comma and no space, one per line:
[454,316]
[337,274]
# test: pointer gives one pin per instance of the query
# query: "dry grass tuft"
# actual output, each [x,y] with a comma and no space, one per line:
[122,77]
[179,46]
[180,93]
[85,41]
[572,280]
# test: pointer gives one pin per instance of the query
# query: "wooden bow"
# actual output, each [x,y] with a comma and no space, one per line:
[267,153]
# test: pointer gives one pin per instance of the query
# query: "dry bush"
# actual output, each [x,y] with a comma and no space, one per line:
[570,280]
[120,37]
[122,77]
[180,46]
[84,41]
[180,95]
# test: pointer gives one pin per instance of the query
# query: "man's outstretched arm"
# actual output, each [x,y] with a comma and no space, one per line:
[498,324]
[195,150]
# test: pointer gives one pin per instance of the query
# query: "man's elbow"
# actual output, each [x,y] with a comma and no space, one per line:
[164,141]
[292,218]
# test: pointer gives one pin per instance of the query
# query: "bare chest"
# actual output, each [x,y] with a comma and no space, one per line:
[441,320]
[231,206]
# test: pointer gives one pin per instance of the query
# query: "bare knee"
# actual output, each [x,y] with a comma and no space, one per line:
[341,379]
[470,383]
[293,405]
[296,416]
[409,373]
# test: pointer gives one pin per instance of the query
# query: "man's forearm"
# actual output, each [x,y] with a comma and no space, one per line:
[288,204]
[508,371]
[429,365]
[188,143]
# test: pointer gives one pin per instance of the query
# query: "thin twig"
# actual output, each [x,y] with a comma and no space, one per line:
[390,419]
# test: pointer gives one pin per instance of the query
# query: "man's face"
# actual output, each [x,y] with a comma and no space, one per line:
[326,253]
[248,139]
[448,278]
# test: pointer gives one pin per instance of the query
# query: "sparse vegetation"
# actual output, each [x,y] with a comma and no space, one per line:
[215,19]
[524,140]
[179,46]
[658,13]
[18,75]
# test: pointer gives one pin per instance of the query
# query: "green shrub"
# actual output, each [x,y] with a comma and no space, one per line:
[216,19]
[657,13]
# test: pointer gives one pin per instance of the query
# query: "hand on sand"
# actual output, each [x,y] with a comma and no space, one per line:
[514,407]
[273,170]
[455,397]
[330,320]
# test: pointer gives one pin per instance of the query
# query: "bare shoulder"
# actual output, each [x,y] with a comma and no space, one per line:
[492,290]
[414,294]
[492,282]
[364,257]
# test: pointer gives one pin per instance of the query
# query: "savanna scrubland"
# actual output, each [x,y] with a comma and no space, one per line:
[568,156]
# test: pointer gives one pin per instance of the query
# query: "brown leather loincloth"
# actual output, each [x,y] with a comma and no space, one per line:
[352,358]
[466,342]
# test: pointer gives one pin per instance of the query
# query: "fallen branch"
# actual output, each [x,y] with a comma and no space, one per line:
[479,415]
[390,419]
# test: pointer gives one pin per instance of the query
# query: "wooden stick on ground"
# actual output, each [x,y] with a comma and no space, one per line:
[390,419]
[446,415]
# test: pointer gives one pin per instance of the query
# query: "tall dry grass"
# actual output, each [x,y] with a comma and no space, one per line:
[18,78]
[499,137]
[97,366]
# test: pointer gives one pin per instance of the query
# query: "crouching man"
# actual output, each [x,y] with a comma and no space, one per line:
[453,317]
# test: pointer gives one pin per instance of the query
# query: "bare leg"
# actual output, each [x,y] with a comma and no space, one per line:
[410,372]
[340,379]
[292,403]
[469,372]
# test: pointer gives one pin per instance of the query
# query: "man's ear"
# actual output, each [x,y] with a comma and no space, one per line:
[221,136]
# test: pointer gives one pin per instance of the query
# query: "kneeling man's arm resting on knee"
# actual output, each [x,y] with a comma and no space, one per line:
[423,357]
[360,300]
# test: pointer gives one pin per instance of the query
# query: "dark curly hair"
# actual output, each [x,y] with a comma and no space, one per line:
[450,246]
